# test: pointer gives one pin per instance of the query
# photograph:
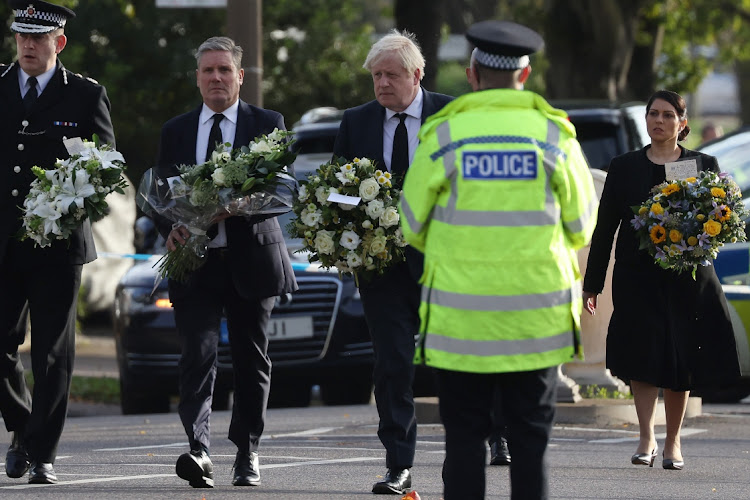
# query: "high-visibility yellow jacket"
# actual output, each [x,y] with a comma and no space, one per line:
[499,197]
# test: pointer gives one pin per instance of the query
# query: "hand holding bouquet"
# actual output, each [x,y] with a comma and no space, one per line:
[347,216]
[248,181]
[685,222]
[62,198]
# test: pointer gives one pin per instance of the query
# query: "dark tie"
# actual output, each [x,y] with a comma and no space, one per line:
[400,155]
[30,97]
[215,136]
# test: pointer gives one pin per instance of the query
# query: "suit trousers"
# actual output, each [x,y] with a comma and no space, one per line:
[466,405]
[198,313]
[391,305]
[42,280]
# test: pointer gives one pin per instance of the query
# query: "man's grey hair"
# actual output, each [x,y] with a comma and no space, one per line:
[222,43]
[405,46]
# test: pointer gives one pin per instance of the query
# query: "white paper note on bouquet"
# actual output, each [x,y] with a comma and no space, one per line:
[678,170]
[74,146]
[341,198]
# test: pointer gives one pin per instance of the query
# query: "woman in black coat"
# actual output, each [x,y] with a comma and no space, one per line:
[667,330]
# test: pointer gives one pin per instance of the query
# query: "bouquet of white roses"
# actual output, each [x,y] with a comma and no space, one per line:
[62,198]
[248,181]
[684,223]
[347,216]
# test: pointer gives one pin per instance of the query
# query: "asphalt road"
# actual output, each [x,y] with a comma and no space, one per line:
[333,453]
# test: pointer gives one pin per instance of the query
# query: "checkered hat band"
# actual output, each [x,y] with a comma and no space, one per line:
[501,62]
[44,18]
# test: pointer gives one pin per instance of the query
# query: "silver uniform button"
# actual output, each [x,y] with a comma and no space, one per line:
[25,123]
[20,147]
[16,169]
[65,138]
[14,192]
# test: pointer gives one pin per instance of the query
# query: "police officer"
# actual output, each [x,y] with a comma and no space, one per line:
[498,197]
[43,105]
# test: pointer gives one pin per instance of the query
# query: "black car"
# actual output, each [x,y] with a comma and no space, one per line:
[318,335]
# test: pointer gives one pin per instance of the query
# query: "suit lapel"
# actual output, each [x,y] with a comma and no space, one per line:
[11,91]
[246,129]
[428,106]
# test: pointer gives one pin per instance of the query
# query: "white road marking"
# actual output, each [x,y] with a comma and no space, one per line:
[683,433]
[85,481]
[171,445]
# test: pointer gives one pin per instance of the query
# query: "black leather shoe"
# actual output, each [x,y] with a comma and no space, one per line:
[395,482]
[42,473]
[17,459]
[499,452]
[246,470]
[196,468]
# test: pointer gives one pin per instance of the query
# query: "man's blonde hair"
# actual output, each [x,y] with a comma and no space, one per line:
[405,46]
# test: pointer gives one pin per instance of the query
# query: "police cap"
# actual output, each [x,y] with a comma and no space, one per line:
[503,45]
[37,16]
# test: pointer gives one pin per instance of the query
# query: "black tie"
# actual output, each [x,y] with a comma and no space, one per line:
[400,155]
[30,97]
[215,136]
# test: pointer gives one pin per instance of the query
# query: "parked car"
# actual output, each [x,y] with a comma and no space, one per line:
[318,335]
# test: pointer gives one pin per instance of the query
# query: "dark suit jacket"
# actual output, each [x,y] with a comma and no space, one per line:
[258,253]
[361,135]
[70,106]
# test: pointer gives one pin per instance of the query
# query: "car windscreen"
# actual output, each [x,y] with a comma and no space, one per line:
[599,143]
[733,154]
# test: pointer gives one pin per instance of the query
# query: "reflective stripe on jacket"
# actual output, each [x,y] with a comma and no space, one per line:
[499,197]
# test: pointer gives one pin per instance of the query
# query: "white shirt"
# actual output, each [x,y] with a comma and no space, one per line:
[228,128]
[41,81]
[413,123]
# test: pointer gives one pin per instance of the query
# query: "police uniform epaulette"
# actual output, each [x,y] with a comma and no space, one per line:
[4,69]
[85,78]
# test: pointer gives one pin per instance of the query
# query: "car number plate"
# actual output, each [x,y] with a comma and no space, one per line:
[293,327]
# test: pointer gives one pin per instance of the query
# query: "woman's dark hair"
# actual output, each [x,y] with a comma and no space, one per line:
[675,100]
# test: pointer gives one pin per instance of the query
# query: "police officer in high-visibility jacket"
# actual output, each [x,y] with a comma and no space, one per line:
[498,198]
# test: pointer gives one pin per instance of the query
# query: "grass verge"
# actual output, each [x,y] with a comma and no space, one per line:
[104,390]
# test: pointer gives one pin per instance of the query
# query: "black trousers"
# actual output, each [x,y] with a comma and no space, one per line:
[44,283]
[198,316]
[391,305]
[466,404]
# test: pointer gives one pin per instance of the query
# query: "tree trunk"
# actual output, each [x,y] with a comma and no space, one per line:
[589,45]
[424,19]
[742,69]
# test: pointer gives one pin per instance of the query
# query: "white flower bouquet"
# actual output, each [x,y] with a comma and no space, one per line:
[248,181]
[347,216]
[76,189]
[684,223]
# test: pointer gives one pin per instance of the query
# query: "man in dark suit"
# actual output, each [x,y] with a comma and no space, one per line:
[43,104]
[246,268]
[385,130]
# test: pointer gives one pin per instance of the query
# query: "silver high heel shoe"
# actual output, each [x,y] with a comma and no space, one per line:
[645,458]
[669,463]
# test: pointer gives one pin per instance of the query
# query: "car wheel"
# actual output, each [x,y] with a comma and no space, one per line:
[134,401]
[289,394]
[354,391]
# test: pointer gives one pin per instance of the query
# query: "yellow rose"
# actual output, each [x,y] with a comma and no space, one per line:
[642,210]
[675,236]
[718,192]
[700,216]
[691,179]
[692,241]
[712,228]
[657,209]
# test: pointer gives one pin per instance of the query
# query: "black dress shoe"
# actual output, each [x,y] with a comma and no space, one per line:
[395,482]
[17,459]
[499,453]
[42,473]
[196,468]
[246,470]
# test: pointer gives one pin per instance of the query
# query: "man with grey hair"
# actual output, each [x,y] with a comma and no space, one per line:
[386,131]
[246,268]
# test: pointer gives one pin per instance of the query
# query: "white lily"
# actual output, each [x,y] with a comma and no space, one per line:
[75,191]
